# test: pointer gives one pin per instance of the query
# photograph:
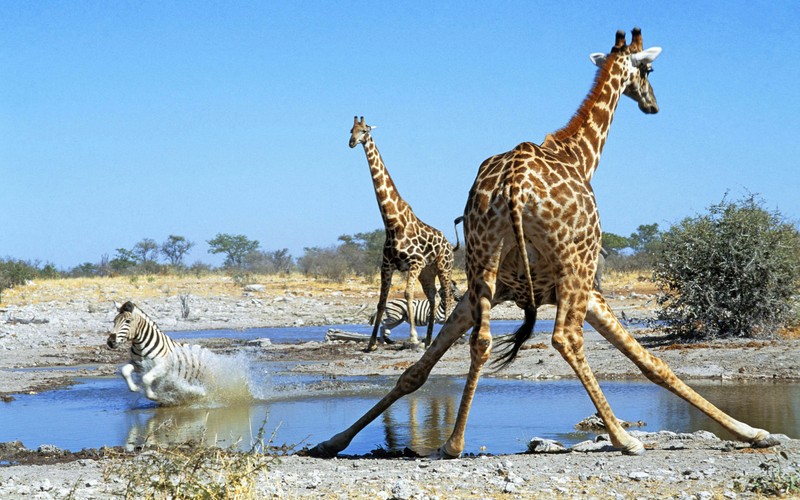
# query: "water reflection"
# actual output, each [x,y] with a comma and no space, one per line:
[775,407]
[423,421]
[305,410]
[175,425]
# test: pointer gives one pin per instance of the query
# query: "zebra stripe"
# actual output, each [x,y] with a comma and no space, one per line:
[396,313]
[153,352]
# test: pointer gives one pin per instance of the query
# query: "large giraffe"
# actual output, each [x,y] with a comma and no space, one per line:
[411,245]
[533,236]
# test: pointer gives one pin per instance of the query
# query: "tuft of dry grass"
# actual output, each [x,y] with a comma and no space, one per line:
[195,471]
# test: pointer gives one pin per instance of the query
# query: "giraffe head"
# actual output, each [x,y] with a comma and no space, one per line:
[359,133]
[637,66]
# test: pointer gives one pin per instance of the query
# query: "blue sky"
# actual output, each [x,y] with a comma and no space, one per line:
[128,120]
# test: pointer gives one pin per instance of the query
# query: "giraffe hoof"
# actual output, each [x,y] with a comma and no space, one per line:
[371,348]
[388,341]
[765,441]
[321,451]
[634,448]
[441,454]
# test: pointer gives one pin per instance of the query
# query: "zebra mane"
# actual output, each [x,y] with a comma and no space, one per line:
[134,309]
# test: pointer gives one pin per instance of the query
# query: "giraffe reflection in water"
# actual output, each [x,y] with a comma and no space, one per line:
[430,418]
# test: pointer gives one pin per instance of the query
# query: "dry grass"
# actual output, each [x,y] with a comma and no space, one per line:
[790,333]
[616,282]
[195,471]
[121,288]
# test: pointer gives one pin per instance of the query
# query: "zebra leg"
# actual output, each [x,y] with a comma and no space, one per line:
[127,374]
[158,371]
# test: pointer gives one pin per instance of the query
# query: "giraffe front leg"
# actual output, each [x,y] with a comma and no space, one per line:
[127,374]
[386,284]
[568,341]
[603,320]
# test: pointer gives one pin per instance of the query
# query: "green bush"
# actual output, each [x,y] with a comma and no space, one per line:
[733,272]
[15,272]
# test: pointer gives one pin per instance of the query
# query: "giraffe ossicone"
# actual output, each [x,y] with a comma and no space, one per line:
[533,236]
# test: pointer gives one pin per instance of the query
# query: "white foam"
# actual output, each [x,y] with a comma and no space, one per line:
[195,375]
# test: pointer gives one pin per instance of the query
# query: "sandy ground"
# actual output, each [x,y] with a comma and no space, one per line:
[64,323]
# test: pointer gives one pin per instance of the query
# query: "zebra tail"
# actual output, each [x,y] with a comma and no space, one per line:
[510,347]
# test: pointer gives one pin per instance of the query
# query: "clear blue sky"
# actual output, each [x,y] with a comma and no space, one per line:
[128,120]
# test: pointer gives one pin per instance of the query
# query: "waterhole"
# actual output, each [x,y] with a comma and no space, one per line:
[303,410]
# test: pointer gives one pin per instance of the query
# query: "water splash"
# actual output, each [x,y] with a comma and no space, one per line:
[194,375]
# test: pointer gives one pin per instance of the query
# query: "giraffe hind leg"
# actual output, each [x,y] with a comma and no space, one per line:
[411,281]
[445,275]
[603,320]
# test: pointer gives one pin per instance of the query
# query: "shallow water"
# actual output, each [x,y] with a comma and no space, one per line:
[304,410]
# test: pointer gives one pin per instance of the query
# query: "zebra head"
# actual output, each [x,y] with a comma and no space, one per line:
[122,324]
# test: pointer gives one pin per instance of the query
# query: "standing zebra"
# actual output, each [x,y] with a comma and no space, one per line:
[396,313]
[152,351]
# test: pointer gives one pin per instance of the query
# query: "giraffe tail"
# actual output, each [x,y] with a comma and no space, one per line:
[456,222]
[510,347]
[519,235]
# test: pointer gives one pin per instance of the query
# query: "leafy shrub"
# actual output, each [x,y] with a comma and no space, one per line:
[732,272]
[14,272]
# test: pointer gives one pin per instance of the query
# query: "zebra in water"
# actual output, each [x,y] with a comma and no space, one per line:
[153,353]
[396,313]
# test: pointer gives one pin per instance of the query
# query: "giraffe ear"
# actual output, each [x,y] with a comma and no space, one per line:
[598,59]
[646,56]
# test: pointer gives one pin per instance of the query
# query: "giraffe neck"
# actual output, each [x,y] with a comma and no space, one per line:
[389,200]
[585,135]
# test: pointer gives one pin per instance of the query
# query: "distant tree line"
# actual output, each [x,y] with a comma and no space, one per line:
[733,271]
[636,252]
[358,254]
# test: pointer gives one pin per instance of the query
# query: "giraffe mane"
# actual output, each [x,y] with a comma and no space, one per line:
[580,116]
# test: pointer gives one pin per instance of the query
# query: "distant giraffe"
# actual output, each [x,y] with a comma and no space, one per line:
[533,236]
[411,245]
